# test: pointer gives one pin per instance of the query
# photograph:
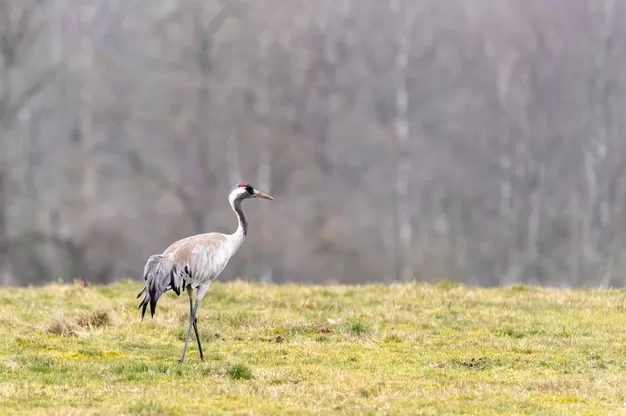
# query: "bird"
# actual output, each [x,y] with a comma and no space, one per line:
[194,262]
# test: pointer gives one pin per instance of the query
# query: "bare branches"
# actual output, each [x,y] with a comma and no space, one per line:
[4,238]
[472,141]
[10,110]
[156,175]
[19,28]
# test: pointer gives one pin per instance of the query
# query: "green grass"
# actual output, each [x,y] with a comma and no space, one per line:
[239,371]
[398,349]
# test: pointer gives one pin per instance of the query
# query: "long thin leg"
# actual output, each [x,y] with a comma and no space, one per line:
[195,322]
[192,316]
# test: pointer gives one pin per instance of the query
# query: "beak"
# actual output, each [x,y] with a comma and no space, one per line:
[259,194]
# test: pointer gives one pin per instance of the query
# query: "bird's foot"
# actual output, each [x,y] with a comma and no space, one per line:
[180,360]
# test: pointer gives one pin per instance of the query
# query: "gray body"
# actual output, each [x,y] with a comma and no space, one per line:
[194,262]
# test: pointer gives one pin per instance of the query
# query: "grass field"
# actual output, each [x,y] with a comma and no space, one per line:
[399,349]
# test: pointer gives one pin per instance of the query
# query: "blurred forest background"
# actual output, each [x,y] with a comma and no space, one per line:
[472,140]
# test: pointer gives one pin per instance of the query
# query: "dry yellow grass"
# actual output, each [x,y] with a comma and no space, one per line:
[374,349]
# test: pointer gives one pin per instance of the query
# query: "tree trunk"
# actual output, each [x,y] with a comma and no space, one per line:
[265,157]
[534,223]
[4,241]
[264,180]
[616,241]
[601,128]
[402,136]
[5,103]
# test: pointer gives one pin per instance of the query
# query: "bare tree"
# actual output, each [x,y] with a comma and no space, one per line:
[406,20]
[604,143]
[193,119]
[20,27]
[476,141]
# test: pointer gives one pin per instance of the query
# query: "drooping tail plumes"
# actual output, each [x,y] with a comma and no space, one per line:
[160,275]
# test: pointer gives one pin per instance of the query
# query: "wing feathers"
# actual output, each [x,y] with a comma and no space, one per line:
[160,275]
[173,269]
[184,251]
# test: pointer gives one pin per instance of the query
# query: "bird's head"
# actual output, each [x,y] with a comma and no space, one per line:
[243,190]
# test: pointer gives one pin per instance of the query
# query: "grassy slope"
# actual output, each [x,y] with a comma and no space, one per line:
[417,349]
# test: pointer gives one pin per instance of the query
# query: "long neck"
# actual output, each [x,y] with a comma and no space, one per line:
[242,229]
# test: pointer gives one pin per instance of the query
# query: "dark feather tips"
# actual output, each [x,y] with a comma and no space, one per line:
[160,275]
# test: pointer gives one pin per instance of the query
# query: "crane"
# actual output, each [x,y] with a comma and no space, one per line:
[194,262]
